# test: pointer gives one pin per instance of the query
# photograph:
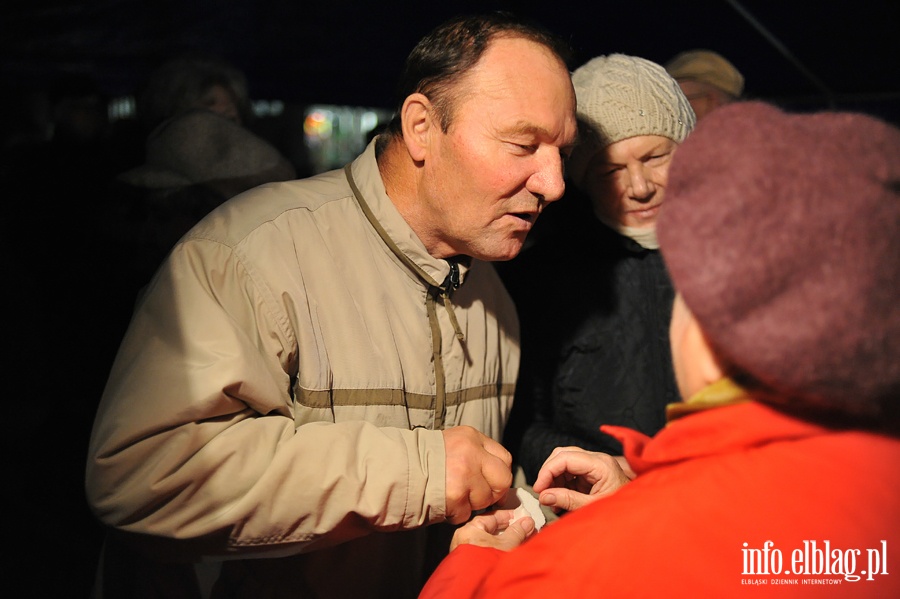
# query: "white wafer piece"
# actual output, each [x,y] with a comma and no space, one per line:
[525,504]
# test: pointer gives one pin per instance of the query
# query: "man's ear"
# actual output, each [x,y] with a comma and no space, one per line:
[417,121]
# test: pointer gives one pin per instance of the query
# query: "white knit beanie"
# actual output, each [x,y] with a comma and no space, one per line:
[623,96]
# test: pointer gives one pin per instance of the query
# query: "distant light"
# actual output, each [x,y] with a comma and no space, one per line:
[318,124]
[268,108]
[368,121]
[121,108]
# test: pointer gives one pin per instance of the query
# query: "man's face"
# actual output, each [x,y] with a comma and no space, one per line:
[626,180]
[485,180]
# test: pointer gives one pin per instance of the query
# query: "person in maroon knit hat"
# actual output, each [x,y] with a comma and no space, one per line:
[782,464]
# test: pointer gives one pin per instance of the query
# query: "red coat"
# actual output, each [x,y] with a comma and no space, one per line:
[727,502]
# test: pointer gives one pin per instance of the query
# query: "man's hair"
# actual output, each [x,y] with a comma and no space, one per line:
[444,56]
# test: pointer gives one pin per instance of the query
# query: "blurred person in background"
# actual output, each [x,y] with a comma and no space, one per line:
[707,78]
[191,81]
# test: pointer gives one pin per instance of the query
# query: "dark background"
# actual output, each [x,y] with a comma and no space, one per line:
[822,54]
[802,55]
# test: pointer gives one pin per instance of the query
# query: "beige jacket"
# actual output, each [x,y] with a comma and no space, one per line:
[282,384]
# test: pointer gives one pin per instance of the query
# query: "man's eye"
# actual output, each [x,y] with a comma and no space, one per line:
[523,148]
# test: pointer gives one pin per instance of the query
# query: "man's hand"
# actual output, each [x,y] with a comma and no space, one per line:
[572,477]
[485,531]
[479,472]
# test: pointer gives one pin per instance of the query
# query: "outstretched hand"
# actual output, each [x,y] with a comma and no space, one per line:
[573,477]
[495,529]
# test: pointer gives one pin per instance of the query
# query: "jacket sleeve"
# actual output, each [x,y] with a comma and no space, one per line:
[195,437]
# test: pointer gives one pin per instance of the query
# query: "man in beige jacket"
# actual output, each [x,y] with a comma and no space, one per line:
[321,368]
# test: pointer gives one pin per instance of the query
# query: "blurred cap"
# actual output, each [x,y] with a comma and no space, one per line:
[709,67]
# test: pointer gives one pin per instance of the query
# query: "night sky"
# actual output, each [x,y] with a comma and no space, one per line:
[838,54]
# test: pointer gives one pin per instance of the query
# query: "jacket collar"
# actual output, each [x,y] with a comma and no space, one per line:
[368,187]
[731,427]
[723,392]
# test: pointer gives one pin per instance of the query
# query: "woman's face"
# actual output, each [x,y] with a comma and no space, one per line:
[626,180]
[219,100]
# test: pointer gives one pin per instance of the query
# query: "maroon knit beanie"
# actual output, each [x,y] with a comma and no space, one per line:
[782,233]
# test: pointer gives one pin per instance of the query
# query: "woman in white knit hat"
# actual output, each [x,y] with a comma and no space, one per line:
[593,294]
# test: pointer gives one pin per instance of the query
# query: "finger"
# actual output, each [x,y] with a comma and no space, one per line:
[470,534]
[564,499]
[505,540]
[561,469]
[475,477]
[503,519]
[558,450]
[492,522]
[497,475]
[484,530]
[498,451]
[552,473]
[553,465]
[484,490]
[515,534]
[484,493]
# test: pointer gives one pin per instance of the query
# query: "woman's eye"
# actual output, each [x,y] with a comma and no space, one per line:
[608,171]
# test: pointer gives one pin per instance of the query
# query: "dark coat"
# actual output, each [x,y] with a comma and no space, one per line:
[594,308]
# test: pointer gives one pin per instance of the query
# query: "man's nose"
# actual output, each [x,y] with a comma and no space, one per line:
[548,182]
